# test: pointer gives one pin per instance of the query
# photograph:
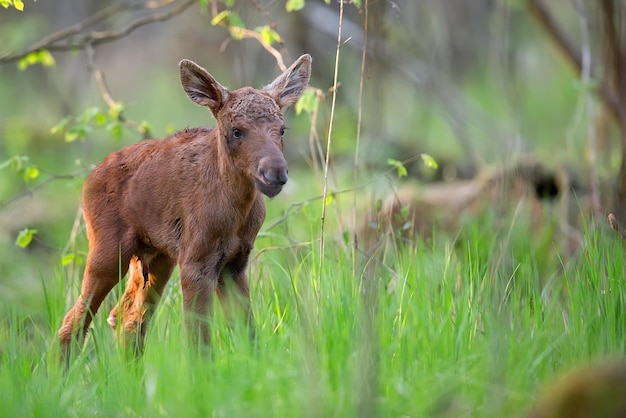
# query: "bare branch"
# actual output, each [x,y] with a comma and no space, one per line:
[247,33]
[543,17]
[572,55]
[98,75]
[71,38]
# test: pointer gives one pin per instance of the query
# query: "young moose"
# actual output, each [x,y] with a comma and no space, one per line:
[195,198]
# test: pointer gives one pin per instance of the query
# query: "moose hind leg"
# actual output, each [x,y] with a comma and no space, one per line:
[102,273]
[139,301]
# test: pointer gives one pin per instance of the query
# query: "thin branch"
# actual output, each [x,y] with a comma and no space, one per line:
[315,146]
[572,55]
[247,33]
[71,38]
[330,133]
[33,189]
[359,123]
[612,46]
[543,17]
[585,76]
[98,75]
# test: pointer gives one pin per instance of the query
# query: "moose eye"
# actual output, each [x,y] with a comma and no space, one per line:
[237,133]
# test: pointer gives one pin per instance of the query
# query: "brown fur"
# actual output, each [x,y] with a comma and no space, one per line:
[195,198]
[596,391]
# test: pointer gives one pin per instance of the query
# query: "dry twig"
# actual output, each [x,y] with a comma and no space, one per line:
[616,226]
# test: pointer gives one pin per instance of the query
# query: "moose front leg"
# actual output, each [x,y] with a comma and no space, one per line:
[237,303]
[199,287]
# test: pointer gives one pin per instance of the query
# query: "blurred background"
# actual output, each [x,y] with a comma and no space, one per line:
[476,84]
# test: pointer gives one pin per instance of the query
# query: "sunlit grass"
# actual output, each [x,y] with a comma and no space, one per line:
[441,328]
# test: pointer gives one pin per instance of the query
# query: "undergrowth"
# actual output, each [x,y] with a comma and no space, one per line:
[437,328]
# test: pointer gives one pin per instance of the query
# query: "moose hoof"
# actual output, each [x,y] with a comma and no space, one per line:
[112,321]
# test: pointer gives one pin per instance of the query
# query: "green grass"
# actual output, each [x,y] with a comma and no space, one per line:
[443,328]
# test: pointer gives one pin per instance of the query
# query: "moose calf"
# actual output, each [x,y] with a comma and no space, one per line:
[195,198]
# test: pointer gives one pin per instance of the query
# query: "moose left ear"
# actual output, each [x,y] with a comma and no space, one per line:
[289,86]
[201,87]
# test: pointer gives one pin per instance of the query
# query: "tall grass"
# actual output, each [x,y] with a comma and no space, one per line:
[443,328]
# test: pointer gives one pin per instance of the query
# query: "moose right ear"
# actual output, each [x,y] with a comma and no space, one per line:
[289,86]
[201,87]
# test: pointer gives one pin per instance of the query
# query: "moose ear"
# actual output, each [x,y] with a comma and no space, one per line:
[290,85]
[201,87]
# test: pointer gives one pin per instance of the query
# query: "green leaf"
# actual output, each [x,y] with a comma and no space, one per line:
[78,131]
[24,237]
[42,57]
[16,163]
[145,127]
[429,161]
[18,4]
[378,205]
[404,212]
[294,5]
[357,3]
[329,199]
[31,173]
[268,34]
[116,110]
[88,115]
[234,24]
[60,126]
[401,169]
[11,162]
[71,135]
[220,17]
[67,259]
[170,129]
[116,129]
[100,118]
[308,102]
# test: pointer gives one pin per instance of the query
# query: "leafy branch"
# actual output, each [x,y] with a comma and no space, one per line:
[75,37]
[51,178]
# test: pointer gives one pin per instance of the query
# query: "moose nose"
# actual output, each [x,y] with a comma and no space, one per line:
[275,176]
[273,171]
[271,175]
